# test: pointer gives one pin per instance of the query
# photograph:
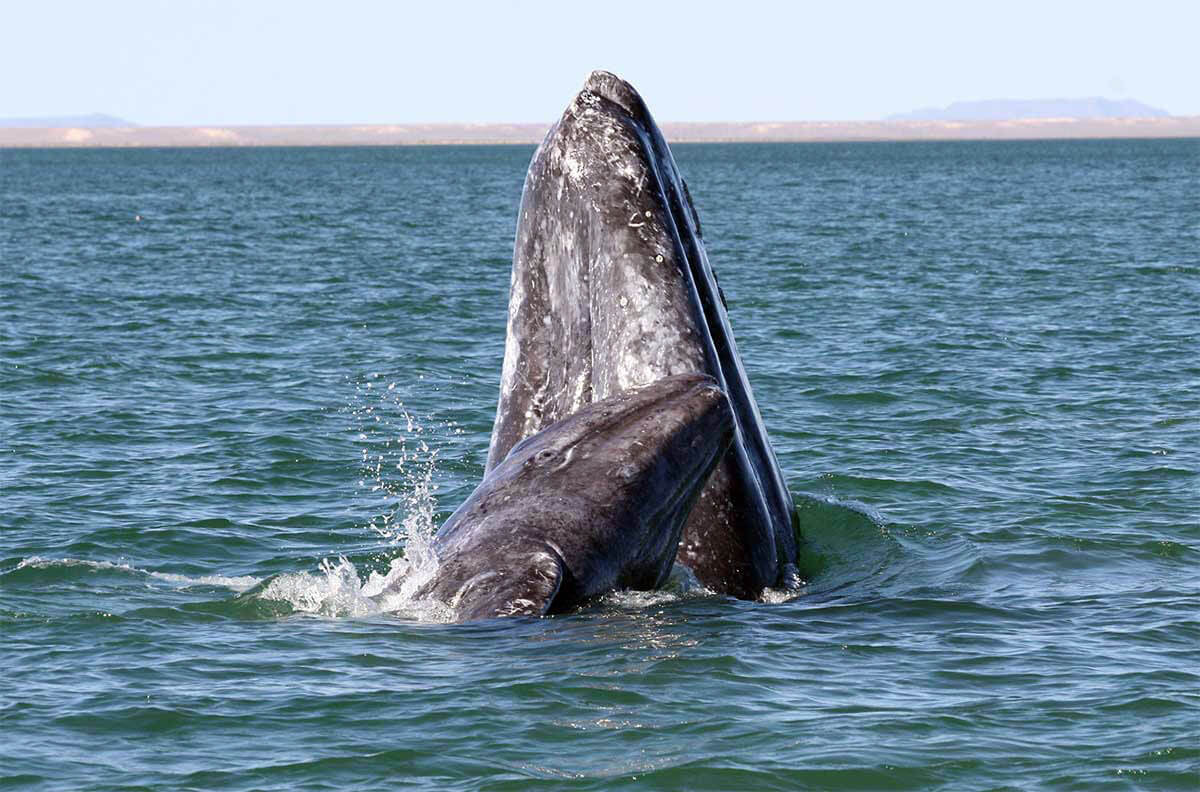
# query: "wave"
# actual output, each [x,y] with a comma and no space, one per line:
[60,568]
[843,545]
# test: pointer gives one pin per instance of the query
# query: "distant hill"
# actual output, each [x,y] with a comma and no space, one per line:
[1012,109]
[92,121]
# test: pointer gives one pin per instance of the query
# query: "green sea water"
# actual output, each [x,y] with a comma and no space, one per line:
[234,384]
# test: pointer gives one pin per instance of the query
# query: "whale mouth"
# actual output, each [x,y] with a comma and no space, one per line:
[713,431]
[611,287]
[695,429]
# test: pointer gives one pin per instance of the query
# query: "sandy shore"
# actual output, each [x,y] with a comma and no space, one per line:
[418,134]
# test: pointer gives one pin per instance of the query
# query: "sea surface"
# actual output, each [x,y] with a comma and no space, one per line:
[235,384]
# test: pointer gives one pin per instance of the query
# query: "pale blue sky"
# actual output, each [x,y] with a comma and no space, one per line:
[361,61]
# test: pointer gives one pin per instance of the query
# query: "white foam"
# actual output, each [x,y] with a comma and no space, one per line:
[773,596]
[338,591]
[37,562]
[640,599]
[237,583]
[682,583]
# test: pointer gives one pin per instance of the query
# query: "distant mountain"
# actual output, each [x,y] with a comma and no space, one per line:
[93,120]
[1010,109]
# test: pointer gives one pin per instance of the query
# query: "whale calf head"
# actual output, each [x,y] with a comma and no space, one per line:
[593,503]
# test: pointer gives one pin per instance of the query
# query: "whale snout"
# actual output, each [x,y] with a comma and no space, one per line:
[714,414]
[692,424]
[700,401]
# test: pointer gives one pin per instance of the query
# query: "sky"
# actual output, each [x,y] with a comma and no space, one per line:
[233,62]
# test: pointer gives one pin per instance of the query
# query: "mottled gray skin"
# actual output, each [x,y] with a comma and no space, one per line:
[591,504]
[612,289]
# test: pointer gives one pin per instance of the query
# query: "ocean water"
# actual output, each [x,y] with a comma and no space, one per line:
[235,385]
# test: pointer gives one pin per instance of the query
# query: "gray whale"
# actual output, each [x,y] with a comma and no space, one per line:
[591,504]
[612,289]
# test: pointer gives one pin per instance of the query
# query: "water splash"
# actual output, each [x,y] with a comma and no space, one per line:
[398,456]
[398,461]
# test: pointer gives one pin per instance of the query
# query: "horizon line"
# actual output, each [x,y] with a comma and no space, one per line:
[482,133]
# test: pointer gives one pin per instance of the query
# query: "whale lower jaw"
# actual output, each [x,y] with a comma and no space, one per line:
[593,503]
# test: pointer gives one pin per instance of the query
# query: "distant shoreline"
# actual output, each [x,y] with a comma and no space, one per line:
[678,132]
